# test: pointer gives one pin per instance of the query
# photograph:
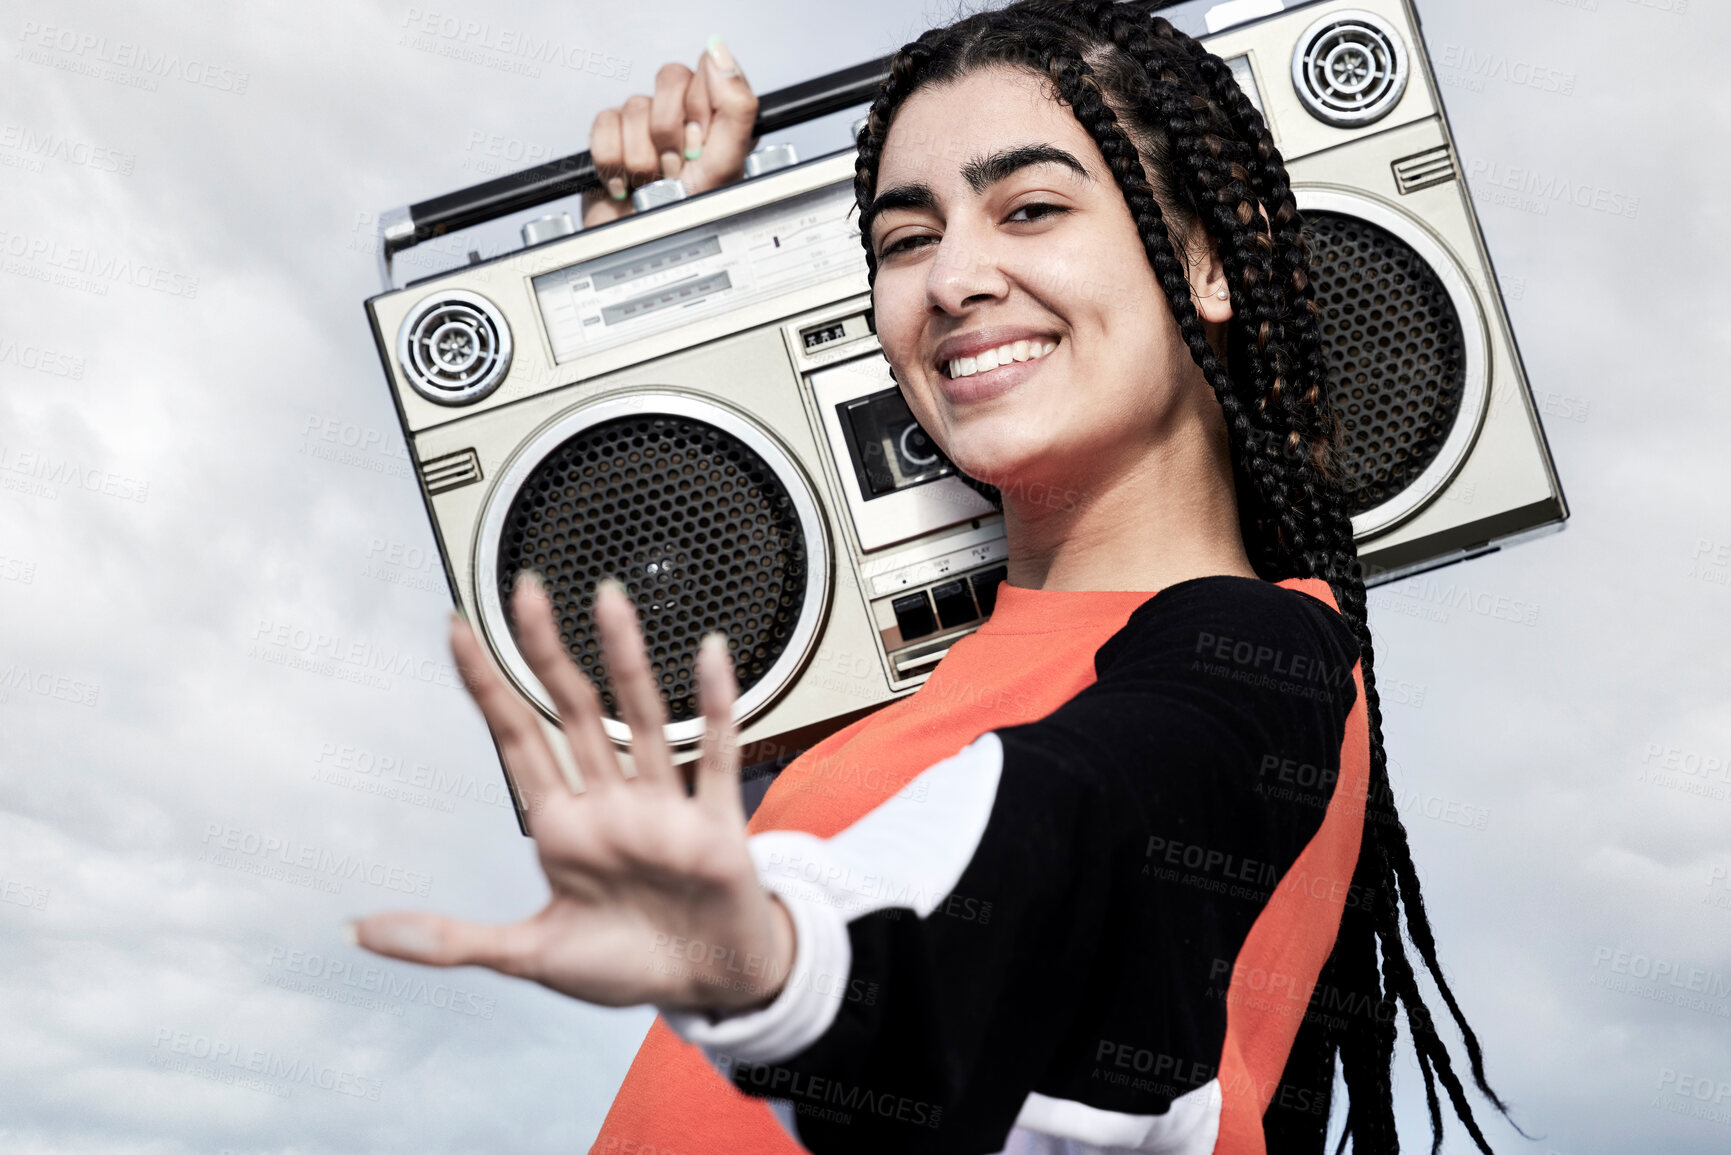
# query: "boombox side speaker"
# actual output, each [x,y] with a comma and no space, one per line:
[692,399]
[1443,454]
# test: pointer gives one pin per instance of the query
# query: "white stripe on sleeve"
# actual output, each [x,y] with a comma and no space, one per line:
[910,851]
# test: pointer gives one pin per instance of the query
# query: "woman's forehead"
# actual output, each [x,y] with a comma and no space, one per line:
[942,127]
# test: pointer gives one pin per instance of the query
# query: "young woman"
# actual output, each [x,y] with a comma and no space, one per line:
[1124,874]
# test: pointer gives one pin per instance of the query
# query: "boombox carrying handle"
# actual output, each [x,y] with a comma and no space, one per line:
[404,228]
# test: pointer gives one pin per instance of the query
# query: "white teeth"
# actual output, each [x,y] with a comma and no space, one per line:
[1024,350]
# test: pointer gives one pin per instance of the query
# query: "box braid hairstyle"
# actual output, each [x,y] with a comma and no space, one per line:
[1132,79]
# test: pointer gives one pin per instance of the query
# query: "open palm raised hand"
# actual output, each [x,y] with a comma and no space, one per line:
[636,862]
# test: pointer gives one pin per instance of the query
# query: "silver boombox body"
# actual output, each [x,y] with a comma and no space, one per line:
[693,399]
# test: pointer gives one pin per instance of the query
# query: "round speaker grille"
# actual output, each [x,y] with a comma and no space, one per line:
[454,347]
[1349,68]
[1397,357]
[697,525]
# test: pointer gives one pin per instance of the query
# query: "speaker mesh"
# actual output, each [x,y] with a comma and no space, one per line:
[1396,353]
[1350,71]
[698,527]
[455,349]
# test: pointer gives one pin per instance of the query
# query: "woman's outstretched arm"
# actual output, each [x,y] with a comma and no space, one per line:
[1040,930]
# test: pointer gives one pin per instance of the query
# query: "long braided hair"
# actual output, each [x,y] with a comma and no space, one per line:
[1142,89]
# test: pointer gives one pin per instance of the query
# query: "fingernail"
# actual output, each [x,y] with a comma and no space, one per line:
[616,187]
[670,163]
[351,934]
[693,140]
[715,640]
[532,579]
[721,57]
[611,583]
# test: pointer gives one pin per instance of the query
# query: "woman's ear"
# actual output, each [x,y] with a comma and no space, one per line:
[1208,286]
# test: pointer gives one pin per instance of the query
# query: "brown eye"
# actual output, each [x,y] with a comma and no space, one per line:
[899,244]
[1039,205]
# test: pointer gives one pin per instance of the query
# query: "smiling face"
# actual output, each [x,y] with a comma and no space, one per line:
[998,224]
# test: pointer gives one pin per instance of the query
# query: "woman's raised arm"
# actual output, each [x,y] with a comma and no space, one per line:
[697,127]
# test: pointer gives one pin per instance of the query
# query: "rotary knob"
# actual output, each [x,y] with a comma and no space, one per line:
[769,157]
[659,192]
[548,228]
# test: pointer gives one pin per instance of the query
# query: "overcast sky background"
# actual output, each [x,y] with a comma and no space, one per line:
[139,729]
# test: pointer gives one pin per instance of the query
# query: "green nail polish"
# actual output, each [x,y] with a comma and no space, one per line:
[720,56]
[694,153]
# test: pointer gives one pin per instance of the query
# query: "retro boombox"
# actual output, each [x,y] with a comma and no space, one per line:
[692,398]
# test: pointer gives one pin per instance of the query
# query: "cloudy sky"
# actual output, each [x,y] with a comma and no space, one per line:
[181,331]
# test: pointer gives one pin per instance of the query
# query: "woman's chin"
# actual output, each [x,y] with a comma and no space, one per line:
[993,470]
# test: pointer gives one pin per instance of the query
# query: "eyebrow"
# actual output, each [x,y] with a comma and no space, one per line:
[981,173]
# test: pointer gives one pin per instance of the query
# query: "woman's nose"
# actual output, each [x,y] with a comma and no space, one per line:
[964,269]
